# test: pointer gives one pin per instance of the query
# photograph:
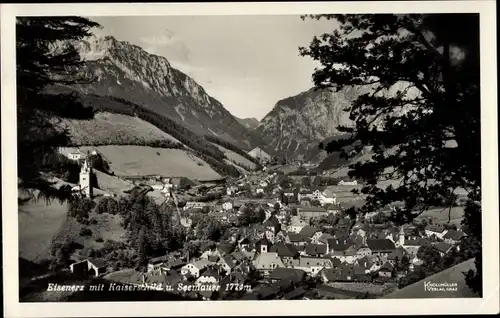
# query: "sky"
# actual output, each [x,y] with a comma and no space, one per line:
[248,63]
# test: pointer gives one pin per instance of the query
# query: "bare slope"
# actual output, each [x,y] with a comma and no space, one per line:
[452,275]
[237,158]
[136,160]
[38,223]
[109,128]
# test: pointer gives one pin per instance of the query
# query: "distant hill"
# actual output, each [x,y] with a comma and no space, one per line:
[250,123]
[297,124]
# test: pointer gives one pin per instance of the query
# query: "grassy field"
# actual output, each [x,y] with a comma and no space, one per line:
[238,159]
[440,215]
[112,184]
[140,161]
[108,127]
[107,227]
[38,223]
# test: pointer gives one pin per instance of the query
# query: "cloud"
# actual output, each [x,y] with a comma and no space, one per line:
[165,39]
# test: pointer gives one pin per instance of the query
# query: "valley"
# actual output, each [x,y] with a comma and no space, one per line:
[149,180]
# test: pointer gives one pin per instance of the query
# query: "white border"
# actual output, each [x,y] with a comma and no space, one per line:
[488,304]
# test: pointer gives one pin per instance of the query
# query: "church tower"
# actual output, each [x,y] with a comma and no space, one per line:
[85,184]
[401,238]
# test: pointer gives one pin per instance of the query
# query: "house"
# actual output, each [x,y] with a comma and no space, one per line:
[210,255]
[298,240]
[363,251]
[323,239]
[285,251]
[283,236]
[453,236]
[156,263]
[305,194]
[330,274]
[443,248]
[311,232]
[194,205]
[244,242]
[347,183]
[208,275]
[227,206]
[259,154]
[296,225]
[382,247]
[263,184]
[350,254]
[323,198]
[238,278]
[436,230]
[336,245]
[231,190]
[396,255]
[272,224]
[386,270]
[289,194]
[411,246]
[313,265]
[266,262]
[366,263]
[306,213]
[315,250]
[227,263]
[195,268]
[91,266]
[290,274]
[259,190]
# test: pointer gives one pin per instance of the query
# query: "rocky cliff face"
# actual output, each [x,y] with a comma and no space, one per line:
[126,71]
[296,125]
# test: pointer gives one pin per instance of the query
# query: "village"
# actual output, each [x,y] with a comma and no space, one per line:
[288,239]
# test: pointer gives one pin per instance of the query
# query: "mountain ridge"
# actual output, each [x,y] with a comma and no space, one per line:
[127,71]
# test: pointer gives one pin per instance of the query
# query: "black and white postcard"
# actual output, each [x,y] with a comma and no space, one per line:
[249,159]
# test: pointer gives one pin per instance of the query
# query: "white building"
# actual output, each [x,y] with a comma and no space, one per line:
[348,183]
[227,206]
[323,198]
[85,183]
[194,268]
[194,205]
[75,155]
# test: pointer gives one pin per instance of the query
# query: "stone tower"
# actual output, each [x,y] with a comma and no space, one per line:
[85,183]
[401,237]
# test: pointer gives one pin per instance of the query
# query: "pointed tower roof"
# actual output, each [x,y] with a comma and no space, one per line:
[401,230]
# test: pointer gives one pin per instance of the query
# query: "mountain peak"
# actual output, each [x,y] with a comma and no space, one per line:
[128,72]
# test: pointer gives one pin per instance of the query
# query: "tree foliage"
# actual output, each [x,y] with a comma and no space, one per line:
[417,107]
[46,57]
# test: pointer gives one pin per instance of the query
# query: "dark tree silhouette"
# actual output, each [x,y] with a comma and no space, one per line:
[45,57]
[418,109]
